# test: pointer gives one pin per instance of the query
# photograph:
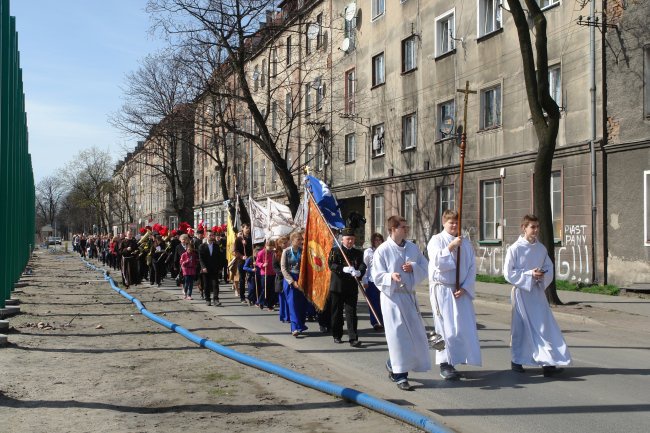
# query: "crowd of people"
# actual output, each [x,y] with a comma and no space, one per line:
[266,276]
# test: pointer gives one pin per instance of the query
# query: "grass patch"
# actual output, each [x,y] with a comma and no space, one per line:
[607,289]
[218,392]
[211,377]
[491,279]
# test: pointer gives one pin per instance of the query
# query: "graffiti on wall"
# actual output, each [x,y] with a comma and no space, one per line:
[571,259]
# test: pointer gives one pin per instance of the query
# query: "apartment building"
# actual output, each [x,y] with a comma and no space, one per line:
[367,95]
[154,182]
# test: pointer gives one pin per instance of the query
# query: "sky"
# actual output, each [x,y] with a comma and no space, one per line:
[75,55]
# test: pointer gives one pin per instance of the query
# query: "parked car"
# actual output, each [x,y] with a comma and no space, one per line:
[54,240]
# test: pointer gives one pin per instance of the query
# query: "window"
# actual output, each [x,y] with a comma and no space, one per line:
[408,54]
[256,178]
[378,214]
[320,93]
[350,32]
[350,87]
[491,107]
[446,200]
[547,3]
[263,176]
[307,40]
[378,8]
[646,81]
[446,118]
[263,76]
[288,106]
[288,50]
[274,178]
[378,140]
[491,210]
[320,155]
[307,99]
[646,207]
[274,62]
[489,16]
[378,70]
[256,78]
[274,116]
[408,208]
[555,84]
[409,131]
[556,204]
[445,33]
[319,37]
[350,148]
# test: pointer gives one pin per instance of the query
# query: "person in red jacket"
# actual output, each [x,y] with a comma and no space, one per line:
[188,262]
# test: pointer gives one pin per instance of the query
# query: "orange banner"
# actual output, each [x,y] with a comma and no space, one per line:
[315,275]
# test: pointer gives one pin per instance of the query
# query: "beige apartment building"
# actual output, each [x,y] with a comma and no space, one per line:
[366,94]
[154,182]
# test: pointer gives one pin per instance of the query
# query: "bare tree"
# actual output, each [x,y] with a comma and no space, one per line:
[88,178]
[223,38]
[49,193]
[545,114]
[158,109]
[122,195]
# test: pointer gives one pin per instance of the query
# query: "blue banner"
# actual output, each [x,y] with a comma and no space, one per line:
[326,202]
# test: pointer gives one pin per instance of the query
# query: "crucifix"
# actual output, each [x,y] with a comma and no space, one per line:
[463,145]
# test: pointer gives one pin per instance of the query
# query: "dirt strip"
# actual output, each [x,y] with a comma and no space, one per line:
[81,358]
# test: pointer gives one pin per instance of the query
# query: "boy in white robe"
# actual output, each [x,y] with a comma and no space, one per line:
[453,309]
[398,266]
[536,336]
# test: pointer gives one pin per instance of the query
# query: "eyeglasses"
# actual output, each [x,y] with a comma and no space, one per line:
[404,227]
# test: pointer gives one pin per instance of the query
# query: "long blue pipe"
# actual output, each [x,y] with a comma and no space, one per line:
[382,406]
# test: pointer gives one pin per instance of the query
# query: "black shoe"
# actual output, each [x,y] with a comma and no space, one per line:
[517,367]
[448,372]
[324,329]
[208,303]
[217,304]
[550,371]
[378,327]
[405,386]
[338,340]
[355,343]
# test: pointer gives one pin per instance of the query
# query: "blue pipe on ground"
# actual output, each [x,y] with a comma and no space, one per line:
[382,406]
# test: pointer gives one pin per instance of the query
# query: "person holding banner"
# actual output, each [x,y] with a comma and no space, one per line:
[397,267]
[344,287]
[243,249]
[452,304]
[290,265]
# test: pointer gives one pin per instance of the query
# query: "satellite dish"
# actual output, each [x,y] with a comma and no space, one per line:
[345,45]
[312,31]
[350,11]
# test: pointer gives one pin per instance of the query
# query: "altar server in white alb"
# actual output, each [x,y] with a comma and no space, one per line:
[536,336]
[453,309]
[397,267]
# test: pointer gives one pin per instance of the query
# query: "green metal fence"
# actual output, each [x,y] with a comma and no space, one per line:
[17,194]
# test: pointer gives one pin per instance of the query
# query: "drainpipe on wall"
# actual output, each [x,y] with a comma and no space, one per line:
[592,139]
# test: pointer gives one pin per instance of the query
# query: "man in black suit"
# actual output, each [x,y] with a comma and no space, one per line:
[209,259]
[344,289]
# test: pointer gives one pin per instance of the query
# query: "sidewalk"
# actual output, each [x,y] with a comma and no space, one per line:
[630,304]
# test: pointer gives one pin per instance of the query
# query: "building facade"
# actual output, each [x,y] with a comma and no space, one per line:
[367,95]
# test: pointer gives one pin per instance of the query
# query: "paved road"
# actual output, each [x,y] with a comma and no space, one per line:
[607,389]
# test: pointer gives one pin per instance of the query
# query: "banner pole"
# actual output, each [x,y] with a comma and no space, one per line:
[359,285]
